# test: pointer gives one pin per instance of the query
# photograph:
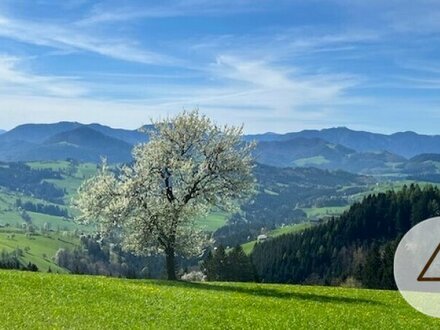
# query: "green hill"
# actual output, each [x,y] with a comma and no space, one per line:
[37,301]
[359,245]
[37,249]
[249,246]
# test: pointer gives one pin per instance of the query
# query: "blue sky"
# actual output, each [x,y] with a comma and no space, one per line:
[272,65]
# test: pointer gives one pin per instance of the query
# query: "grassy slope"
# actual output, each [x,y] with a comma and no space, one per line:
[36,300]
[395,185]
[213,221]
[319,212]
[248,247]
[8,213]
[40,245]
[71,183]
[42,248]
[317,160]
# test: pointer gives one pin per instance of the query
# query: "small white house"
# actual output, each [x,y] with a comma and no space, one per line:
[261,238]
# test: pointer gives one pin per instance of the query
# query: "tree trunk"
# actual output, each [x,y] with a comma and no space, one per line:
[171,264]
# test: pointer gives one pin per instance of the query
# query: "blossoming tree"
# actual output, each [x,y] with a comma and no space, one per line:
[189,166]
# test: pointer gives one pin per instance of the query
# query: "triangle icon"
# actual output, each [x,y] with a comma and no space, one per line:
[422,277]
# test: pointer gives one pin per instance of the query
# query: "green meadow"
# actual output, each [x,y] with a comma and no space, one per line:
[37,249]
[41,301]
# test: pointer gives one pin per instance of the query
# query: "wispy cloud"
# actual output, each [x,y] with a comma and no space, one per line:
[74,39]
[15,80]
[106,13]
[286,44]
[280,65]
[240,91]
[257,90]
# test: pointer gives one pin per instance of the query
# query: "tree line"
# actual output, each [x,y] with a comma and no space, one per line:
[11,260]
[355,249]
[234,266]
[50,209]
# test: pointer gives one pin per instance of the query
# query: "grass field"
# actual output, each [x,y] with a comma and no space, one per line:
[394,185]
[213,221]
[249,246]
[37,301]
[317,160]
[319,212]
[41,248]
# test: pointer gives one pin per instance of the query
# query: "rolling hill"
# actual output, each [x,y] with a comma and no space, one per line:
[284,195]
[84,144]
[36,300]
[37,133]
[315,152]
[360,244]
[300,152]
[334,148]
[38,249]
[60,141]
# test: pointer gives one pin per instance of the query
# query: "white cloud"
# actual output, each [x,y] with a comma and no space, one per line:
[240,91]
[106,13]
[15,80]
[280,88]
[272,78]
[75,39]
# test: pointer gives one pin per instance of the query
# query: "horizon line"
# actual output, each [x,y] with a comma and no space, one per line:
[247,133]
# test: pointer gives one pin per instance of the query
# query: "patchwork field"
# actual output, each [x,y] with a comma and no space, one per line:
[37,301]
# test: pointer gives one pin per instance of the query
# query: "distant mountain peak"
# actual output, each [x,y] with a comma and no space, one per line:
[58,141]
[86,136]
[406,144]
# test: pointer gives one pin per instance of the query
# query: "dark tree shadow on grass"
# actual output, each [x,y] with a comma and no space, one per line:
[267,292]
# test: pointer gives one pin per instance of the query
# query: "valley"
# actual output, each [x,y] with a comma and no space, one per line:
[300,183]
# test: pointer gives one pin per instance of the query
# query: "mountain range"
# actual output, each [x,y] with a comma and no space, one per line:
[406,144]
[334,148]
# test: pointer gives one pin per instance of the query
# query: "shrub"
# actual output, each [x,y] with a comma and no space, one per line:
[194,276]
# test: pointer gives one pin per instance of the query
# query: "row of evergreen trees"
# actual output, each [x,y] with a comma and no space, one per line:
[50,209]
[234,266]
[358,247]
[10,260]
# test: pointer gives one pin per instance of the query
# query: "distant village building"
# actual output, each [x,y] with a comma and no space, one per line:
[261,238]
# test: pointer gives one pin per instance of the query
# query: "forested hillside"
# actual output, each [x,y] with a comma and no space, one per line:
[284,194]
[35,203]
[355,249]
[19,177]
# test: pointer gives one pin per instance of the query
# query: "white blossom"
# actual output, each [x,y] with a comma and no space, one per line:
[189,166]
